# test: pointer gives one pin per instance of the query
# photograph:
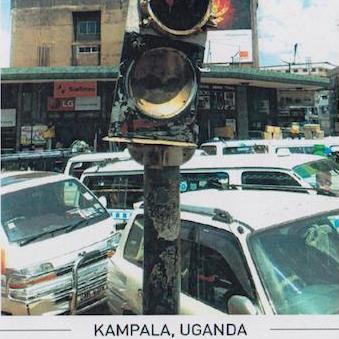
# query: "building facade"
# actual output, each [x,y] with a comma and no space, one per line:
[66,32]
[90,32]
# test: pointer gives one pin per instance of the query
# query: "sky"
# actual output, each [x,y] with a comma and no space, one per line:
[312,24]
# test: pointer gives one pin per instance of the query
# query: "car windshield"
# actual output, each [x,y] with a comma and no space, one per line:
[41,211]
[322,174]
[298,264]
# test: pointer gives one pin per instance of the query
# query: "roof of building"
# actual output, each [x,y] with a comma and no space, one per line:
[263,78]
[29,74]
[261,209]
[210,73]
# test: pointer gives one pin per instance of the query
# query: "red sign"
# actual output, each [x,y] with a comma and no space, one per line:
[60,105]
[243,54]
[75,89]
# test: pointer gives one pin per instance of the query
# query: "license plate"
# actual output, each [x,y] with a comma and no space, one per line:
[92,294]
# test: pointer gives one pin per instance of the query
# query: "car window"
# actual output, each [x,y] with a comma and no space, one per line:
[322,174]
[46,210]
[238,150]
[221,270]
[212,265]
[271,178]
[298,264]
[210,150]
[134,248]
[198,181]
[121,191]
[300,149]
[77,168]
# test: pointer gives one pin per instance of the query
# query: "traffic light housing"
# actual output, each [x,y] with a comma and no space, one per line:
[156,92]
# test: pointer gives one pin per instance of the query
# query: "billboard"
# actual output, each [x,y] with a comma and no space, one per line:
[231,40]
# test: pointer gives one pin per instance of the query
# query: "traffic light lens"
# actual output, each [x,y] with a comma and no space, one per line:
[162,82]
[180,17]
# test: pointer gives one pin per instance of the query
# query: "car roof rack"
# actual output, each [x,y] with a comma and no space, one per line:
[297,189]
[215,213]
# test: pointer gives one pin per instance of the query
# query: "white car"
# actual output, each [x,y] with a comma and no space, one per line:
[242,252]
[303,146]
[55,239]
[122,182]
[77,164]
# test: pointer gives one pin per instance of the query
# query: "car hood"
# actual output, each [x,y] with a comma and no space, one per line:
[61,249]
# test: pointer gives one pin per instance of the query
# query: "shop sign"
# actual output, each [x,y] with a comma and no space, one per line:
[72,89]
[8,117]
[60,105]
[87,103]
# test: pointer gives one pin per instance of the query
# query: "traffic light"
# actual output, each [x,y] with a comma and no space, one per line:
[156,93]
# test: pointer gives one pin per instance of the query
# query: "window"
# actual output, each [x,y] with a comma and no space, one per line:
[298,264]
[42,211]
[220,270]
[44,52]
[210,150]
[88,27]
[88,49]
[121,191]
[134,249]
[212,265]
[271,178]
[199,181]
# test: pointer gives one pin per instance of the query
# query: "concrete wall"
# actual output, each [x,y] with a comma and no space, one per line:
[45,22]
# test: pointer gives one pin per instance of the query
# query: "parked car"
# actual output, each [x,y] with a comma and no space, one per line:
[220,148]
[55,240]
[242,252]
[304,146]
[122,182]
[77,164]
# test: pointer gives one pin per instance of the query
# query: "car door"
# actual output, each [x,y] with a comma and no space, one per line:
[125,276]
[219,270]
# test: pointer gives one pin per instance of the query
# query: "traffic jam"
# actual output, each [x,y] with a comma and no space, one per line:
[259,234]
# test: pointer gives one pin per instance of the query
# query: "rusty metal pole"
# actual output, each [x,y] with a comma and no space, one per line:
[162,278]
[161,240]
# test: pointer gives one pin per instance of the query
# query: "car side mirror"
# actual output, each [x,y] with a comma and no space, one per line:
[103,201]
[239,304]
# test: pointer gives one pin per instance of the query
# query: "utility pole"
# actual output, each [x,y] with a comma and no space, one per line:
[154,113]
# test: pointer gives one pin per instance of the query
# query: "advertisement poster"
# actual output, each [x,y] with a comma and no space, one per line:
[231,41]
[33,135]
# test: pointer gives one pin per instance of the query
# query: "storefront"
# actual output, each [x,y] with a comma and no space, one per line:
[65,104]
[52,107]
[240,102]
